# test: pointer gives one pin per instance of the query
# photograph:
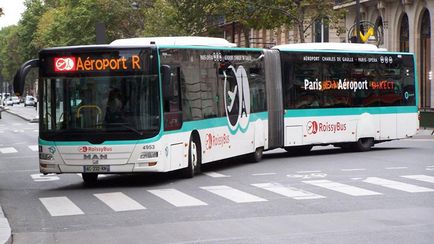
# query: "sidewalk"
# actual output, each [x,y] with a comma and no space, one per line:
[27,113]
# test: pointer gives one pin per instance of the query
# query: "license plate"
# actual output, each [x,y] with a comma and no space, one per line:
[96,168]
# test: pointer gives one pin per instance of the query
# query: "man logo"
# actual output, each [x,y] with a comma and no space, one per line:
[237,98]
[64,64]
[312,127]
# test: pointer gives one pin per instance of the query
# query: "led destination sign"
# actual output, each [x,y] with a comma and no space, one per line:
[72,64]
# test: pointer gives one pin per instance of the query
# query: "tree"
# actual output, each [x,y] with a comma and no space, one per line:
[195,15]
[301,14]
[162,19]
[10,58]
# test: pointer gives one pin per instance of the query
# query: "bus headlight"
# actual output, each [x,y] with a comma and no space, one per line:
[45,156]
[150,154]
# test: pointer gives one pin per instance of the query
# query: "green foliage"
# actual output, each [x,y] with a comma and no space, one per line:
[50,23]
[162,20]
[10,57]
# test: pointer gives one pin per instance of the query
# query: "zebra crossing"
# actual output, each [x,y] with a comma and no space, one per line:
[250,194]
[12,150]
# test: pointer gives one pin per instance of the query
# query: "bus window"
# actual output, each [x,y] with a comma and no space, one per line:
[171,98]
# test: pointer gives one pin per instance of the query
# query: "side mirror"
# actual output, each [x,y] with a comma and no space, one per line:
[20,75]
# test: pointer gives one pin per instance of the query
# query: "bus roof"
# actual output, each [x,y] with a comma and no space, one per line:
[330,46]
[174,41]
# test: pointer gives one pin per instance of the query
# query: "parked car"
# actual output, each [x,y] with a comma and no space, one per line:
[30,101]
[8,102]
[16,100]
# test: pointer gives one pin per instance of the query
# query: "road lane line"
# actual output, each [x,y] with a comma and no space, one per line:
[397,185]
[348,170]
[177,198]
[424,178]
[34,148]
[60,206]
[216,175]
[287,191]
[6,150]
[233,194]
[342,188]
[308,171]
[119,201]
[44,178]
[396,168]
[263,174]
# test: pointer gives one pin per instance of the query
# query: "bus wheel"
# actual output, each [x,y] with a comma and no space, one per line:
[89,179]
[257,155]
[194,159]
[363,144]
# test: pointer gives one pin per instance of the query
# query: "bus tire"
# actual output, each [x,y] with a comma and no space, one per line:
[194,159]
[256,156]
[89,179]
[363,144]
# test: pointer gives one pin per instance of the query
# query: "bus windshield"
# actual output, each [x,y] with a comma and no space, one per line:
[125,107]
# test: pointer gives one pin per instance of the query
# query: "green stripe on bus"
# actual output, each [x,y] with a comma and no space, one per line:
[289,113]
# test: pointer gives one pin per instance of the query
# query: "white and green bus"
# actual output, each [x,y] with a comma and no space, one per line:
[175,103]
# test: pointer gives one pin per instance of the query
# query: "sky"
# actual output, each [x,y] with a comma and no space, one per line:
[12,10]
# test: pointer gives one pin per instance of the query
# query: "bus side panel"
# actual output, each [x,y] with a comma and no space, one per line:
[320,130]
[407,124]
[388,126]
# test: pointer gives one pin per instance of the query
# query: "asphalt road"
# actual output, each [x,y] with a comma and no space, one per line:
[328,196]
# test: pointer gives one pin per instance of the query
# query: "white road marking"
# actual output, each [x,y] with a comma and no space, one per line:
[60,206]
[8,150]
[18,131]
[233,194]
[263,174]
[308,171]
[397,185]
[424,178]
[34,148]
[177,198]
[419,140]
[43,178]
[347,170]
[216,175]
[119,201]
[396,168]
[287,191]
[342,188]
[308,176]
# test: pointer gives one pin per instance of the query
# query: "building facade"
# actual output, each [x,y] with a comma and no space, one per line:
[397,25]
[404,25]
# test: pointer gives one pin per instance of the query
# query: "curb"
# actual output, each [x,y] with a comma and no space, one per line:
[5,229]
[31,120]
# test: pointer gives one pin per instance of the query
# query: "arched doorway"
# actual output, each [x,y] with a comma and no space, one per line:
[425,60]
[404,36]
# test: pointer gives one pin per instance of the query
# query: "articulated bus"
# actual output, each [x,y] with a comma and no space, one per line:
[175,103]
